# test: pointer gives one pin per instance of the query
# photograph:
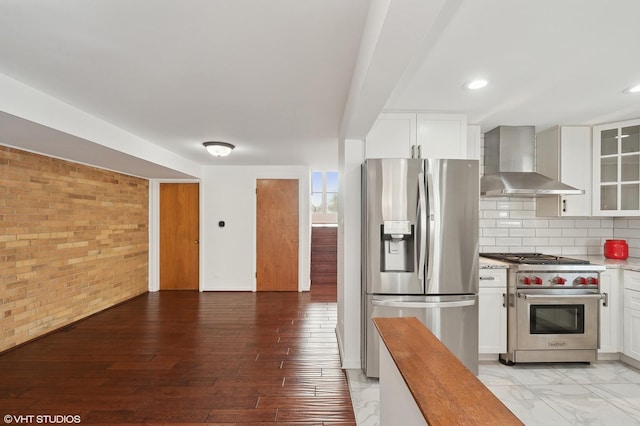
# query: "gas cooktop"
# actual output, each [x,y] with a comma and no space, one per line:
[534,259]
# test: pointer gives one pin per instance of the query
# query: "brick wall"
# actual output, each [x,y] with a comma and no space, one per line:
[73,241]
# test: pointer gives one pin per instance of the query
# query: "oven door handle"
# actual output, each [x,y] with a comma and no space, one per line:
[528,296]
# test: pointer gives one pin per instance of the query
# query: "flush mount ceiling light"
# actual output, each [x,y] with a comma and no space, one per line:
[632,89]
[475,84]
[218,149]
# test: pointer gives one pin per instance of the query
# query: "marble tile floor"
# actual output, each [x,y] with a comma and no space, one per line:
[602,393]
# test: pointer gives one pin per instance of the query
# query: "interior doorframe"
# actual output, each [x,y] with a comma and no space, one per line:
[304,225]
[154,230]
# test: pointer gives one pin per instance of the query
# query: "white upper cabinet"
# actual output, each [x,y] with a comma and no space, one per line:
[564,153]
[393,135]
[442,135]
[419,135]
[616,169]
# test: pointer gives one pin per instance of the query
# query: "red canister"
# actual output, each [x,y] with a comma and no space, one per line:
[616,249]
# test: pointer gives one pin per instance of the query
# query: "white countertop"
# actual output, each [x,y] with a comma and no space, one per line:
[632,263]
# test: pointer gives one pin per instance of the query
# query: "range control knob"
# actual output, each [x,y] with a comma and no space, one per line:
[559,281]
[593,280]
[583,281]
[537,280]
[526,280]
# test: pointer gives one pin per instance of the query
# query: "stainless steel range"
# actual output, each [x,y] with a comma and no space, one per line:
[553,308]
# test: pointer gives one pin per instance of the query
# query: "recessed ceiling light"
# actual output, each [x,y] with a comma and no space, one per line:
[476,84]
[633,89]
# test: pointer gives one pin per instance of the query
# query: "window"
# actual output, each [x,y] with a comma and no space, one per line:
[324,196]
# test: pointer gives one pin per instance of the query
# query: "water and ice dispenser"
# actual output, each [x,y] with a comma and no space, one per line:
[397,246]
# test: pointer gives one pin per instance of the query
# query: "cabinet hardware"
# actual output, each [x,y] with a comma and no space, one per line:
[488,278]
[564,206]
[504,300]
[605,299]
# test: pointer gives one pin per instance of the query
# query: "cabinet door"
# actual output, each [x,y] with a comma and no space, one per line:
[492,321]
[610,313]
[392,136]
[442,135]
[632,324]
[564,154]
[616,169]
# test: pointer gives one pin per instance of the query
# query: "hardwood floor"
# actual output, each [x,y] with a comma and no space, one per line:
[188,357]
[324,255]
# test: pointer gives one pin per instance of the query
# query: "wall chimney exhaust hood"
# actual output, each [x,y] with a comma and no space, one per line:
[509,153]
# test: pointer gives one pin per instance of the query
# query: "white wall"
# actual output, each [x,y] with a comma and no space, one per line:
[349,288]
[228,254]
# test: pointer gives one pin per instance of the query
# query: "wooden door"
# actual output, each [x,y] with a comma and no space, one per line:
[277,235]
[179,234]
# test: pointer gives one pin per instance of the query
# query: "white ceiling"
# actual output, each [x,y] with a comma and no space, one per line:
[549,63]
[273,77]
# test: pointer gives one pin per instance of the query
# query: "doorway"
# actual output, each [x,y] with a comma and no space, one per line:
[179,236]
[277,234]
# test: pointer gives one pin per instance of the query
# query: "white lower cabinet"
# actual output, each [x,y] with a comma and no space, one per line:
[611,312]
[492,312]
[632,330]
[632,315]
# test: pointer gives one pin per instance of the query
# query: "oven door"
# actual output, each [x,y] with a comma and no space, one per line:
[557,319]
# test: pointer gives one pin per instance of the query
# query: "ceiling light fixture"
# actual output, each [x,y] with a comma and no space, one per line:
[633,89]
[218,149]
[475,84]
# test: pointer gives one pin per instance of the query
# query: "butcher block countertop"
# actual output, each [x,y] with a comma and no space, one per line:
[446,392]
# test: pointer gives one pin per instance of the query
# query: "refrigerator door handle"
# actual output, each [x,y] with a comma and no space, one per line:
[421,217]
[401,304]
[429,198]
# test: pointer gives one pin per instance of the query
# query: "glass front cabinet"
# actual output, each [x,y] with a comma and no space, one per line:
[616,169]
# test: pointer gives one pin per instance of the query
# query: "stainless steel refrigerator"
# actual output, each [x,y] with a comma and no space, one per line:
[420,251]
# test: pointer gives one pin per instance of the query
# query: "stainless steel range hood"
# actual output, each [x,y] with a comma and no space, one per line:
[509,153]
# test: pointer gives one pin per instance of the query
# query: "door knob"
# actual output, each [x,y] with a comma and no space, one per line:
[197,242]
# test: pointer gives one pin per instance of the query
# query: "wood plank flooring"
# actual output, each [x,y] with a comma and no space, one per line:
[324,255]
[188,357]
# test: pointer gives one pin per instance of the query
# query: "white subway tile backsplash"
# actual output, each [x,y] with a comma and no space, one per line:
[487,242]
[627,233]
[509,242]
[575,251]
[601,232]
[561,223]
[495,214]
[587,223]
[494,232]
[522,232]
[537,241]
[487,223]
[535,223]
[575,232]
[503,223]
[488,205]
[606,222]
[523,214]
[559,242]
[548,232]
[633,223]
